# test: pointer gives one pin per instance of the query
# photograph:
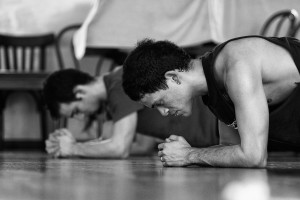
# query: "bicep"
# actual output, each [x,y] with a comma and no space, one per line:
[245,88]
[123,130]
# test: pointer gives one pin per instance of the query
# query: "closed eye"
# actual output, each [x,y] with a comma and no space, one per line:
[155,105]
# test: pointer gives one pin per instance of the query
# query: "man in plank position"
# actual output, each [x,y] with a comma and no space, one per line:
[75,94]
[250,84]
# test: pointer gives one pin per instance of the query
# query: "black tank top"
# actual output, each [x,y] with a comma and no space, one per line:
[284,121]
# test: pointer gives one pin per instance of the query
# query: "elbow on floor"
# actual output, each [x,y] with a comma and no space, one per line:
[124,155]
[257,162]
[122,152]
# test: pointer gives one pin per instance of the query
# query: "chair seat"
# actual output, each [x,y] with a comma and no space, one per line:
[22,80]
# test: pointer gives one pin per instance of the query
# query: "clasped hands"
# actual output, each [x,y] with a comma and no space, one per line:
[174,151]
[60,143]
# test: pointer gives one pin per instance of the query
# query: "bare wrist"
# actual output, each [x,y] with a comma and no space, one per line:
[191,156]
[75,149]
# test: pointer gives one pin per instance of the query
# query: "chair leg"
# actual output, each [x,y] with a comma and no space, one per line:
[37,95]
[44,126]
[3,96]
[1,129]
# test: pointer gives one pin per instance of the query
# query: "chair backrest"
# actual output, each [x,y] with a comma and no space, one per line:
[24,53]
[58,46]
[281,23]
[296,33]
[101,53]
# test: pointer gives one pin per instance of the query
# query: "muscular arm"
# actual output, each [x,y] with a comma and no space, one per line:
[244,85]
[118,146]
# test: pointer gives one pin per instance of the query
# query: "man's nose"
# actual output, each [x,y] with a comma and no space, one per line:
[163,111]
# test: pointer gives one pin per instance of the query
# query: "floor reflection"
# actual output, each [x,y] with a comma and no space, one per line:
[37,176]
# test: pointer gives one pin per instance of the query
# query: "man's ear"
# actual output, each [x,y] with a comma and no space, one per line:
[173,76]
[80,92]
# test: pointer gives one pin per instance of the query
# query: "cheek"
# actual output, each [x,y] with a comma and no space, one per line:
[95,106]
[89,105]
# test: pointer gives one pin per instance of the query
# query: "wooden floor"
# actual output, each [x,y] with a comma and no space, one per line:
[36,176]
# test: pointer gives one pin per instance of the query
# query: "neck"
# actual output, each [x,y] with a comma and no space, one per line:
[99,89]
[198,79]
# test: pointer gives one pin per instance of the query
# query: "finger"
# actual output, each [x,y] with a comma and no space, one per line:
[65,131]
[163,159]
[52,150]
[51,144]
[160,153]
[57,133]
[165,164]
[173,137]
[53,140]
[169,140]
[53,136]
[181,139]
[161,146]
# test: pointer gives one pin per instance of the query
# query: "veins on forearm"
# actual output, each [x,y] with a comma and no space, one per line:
[218,156]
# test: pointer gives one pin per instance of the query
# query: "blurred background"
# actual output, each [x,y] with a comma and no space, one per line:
[114,29]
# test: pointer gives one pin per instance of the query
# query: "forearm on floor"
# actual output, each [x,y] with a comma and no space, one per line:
[223,156]
[101,149]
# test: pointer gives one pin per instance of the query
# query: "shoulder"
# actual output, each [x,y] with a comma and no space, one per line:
[239,53]
[243,49]
[239,63]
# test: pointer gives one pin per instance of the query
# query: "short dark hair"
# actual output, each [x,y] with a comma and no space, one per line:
[145,67]
[59,86]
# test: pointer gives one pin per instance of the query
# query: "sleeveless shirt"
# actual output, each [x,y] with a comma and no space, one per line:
[284,120]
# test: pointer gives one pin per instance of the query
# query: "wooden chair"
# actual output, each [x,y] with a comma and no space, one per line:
[64,37]
[22,68]
[281,23]
[113,54]
[296,33]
